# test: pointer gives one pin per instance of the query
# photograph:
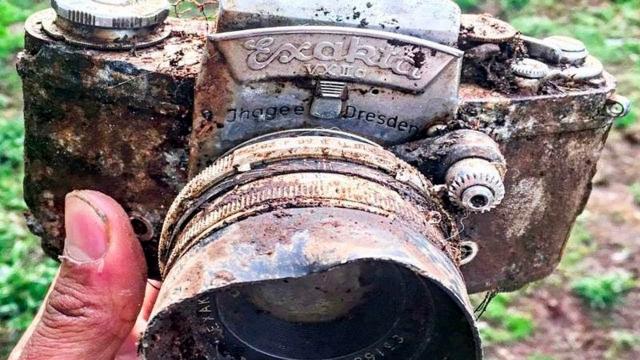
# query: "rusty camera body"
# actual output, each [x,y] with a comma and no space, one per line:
[316,180]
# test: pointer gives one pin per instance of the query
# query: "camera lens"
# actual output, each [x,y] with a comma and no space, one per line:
[310,247]
[373,306]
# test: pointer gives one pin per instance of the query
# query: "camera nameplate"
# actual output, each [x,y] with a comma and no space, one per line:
[334,53]
[247,89]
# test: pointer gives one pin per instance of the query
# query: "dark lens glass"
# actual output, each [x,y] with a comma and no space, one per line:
[361,311]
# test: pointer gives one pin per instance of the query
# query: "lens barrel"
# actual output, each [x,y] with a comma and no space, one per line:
[310,245]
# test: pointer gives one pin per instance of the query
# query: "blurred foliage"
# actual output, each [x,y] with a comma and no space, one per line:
[513,5]
[635,192]
[540,357]
[603,292]
[468,5]
[24,273]
[581,243]
[11,137]
[502,323]
[200,9]
[12,13]
[622,342]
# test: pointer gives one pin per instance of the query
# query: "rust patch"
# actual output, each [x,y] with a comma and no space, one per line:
[116,122]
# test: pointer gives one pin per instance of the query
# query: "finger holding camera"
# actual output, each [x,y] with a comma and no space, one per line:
[100,300]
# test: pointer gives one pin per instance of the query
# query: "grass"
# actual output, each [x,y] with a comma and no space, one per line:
[611,32]
[201,9]
[622,342]
[24,273]
[580,245]
[538,356]
[12,12]
[503,324]
[604,292]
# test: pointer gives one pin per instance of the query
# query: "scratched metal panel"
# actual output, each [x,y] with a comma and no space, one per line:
[436,20]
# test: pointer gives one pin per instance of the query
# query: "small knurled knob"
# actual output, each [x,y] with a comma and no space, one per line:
[573,50]
[475,185]
[530,68]
[113,14]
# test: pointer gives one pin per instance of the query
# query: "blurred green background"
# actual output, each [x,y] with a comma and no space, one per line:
[596,304]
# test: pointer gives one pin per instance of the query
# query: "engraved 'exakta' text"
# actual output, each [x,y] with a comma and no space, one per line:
[353,50]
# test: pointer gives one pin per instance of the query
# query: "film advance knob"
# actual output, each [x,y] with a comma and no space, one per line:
[113,14]
[108,24]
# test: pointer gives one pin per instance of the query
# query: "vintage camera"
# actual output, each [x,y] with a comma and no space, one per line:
[315,179]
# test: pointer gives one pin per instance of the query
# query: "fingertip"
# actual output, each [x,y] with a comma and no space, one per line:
[121,269]
[105,204]
[97,296]
[123,243]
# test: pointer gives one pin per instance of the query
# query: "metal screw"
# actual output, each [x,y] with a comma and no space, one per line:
[470,250]
[618,106]
[477,197]
[566,43]
[142,227]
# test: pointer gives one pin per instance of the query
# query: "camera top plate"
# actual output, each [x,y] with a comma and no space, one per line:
[435,20]
[382,70]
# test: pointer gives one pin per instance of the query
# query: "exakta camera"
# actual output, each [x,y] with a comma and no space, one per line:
[315,179]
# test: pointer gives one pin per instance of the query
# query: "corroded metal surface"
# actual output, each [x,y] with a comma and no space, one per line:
[380,214]
[252,156]
[292,243]
[522,240]
[113,14]
[551,144]
[475,185]
[434,155]
[108,121]
[317,171]
[251,86]
[435,20]
[121,123]
[100,38]
[486,29]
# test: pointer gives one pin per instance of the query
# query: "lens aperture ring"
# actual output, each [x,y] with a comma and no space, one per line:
[303,148]
[299,190]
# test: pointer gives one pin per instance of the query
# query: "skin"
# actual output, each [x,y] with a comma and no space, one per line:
[100,300]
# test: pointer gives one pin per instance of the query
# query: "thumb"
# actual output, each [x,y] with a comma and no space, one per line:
[97,294]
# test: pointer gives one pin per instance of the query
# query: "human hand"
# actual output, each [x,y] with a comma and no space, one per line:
[100,300]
